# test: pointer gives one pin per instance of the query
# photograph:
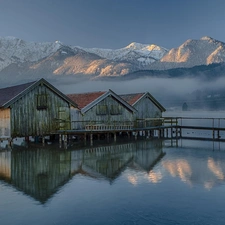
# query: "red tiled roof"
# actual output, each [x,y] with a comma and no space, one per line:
[7,94]
[84,99]
[131,98]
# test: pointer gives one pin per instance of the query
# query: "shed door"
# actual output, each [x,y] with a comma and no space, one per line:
[64,118]
[5,123]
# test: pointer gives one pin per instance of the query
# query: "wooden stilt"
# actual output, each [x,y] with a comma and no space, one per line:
[91,139]
[65,140]
[107,136]
[43,140]
[136,134]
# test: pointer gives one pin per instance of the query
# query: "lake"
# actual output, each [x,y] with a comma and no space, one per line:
[137,182]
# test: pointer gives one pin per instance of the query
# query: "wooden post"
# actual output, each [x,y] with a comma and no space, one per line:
[10,140]
[91,139]
[43,140]
[218,133]
[135,135]
[152,133]
[60,140]
[65,140]
[27,139]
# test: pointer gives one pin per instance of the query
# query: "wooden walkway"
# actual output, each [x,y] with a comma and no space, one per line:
[166,127]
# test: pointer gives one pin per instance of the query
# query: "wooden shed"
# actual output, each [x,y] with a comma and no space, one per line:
[146,105]
[101,107]
[33,109]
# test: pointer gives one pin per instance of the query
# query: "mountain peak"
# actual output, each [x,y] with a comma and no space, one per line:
[207,38]
[135,45]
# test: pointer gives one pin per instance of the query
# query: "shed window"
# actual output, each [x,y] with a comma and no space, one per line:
[42,101]
[115,110]
[101,110]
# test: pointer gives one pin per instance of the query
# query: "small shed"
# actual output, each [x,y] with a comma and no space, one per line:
[146,105]
[33,109]
[101,107]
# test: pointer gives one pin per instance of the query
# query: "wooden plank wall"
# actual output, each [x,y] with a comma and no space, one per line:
[27,120]
[147,109]
[94,115]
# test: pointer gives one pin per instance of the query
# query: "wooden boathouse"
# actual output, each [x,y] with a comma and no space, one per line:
[101,108]
[33,109]
[146,105]
[101,112]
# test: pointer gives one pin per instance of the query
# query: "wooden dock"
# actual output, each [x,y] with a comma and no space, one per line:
[165,127]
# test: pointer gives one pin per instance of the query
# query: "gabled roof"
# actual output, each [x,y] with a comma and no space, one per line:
[86,101]
[10,95]
[133,99]
[83,99]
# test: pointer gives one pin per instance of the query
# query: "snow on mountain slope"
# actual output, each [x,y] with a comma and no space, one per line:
[192,53]
[19,58]
[65,61]
[138,54]
[14,50]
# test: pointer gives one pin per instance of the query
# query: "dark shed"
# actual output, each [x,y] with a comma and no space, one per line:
[33,109]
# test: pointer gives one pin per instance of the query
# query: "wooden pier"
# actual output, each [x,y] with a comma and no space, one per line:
[165,127]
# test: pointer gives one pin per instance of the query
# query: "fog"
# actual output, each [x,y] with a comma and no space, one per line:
[168,91]
[152,85]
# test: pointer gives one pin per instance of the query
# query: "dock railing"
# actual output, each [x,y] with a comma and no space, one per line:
[91,125]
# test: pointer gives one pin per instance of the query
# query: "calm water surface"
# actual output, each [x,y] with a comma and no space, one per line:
[143,182]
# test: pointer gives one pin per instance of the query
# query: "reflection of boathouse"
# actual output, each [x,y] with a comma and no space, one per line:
[40,173]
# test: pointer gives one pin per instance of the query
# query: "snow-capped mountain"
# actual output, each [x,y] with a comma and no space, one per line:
[14,50]
[193,53]
[21,59]
[141,55]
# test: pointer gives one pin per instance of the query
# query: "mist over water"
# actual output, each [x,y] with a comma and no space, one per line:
[168,91]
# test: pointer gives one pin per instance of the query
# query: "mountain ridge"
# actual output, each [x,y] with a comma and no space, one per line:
[21,59]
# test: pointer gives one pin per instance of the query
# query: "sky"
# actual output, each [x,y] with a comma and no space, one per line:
[112,23]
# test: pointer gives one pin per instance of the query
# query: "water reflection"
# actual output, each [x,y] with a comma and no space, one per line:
[179,167]
[197,166]
[40,172]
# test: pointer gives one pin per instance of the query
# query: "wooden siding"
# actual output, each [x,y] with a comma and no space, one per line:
[30,117]
[146,109]
[76,119]
[105,112]
[5,123]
